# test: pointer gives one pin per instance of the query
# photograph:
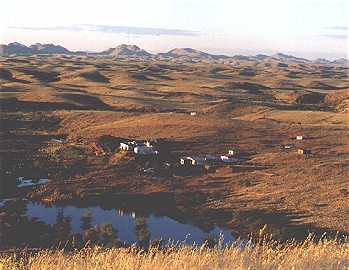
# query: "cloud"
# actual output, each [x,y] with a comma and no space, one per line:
[341,28]
[336,36]
[336,32]
[114,30]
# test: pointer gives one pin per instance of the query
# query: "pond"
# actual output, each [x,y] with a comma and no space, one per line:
[125,226]
[133,219]
[159,227]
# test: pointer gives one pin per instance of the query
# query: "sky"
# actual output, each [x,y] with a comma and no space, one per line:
[305,28]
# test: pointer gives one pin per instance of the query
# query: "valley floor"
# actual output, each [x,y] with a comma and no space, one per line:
[53,110]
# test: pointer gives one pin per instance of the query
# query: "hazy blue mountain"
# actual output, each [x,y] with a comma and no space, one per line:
[16,48]
[49,49]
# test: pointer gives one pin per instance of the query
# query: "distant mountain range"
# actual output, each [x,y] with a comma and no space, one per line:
[133,51]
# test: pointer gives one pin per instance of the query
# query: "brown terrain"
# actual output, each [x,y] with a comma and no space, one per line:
[64,117]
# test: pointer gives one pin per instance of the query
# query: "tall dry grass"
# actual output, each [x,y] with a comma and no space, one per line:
[325,254]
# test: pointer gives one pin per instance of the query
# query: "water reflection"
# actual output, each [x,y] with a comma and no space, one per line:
[131,226]
[97,226]
[142,231]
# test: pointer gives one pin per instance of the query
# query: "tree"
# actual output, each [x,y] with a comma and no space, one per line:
[62,227]
[86,220]
[102,234]
[142,232]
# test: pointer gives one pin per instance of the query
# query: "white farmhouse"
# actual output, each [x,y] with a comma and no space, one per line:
[228,159]
[145,150]
[127,146]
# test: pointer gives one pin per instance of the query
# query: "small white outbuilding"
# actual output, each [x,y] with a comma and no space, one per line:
[194,161]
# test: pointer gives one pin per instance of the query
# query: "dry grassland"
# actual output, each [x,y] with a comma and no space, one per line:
[324,255]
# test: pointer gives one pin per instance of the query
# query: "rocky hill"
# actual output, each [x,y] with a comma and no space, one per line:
[49,49]
[190,53]
[16,48]
[125,50]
